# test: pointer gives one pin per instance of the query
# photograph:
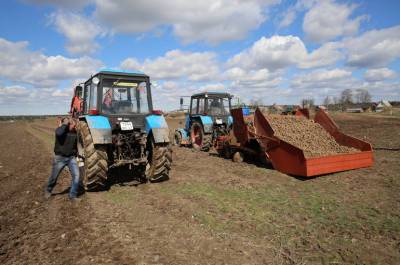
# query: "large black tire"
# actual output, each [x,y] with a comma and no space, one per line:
[94,171]
[200,141]
[159,162]
[207,143]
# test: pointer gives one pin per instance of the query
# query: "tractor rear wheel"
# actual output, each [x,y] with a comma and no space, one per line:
[177,138]
[94,170]
[199,140]
[159,162]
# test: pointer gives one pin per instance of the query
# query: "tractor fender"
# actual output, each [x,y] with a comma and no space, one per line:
[207,123]
[158,127]
[100,129]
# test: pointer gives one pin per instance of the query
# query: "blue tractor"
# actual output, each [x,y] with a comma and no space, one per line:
[117,126]
[208,118]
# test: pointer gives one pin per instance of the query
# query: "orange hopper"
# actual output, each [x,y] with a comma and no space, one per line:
[289,159]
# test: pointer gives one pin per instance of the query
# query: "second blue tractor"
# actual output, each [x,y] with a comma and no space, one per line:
[208,117]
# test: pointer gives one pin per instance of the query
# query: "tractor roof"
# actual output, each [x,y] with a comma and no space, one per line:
[212,94]
[121,72]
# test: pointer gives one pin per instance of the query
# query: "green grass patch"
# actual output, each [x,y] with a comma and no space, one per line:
[121,196]
[266,209]
[304,218]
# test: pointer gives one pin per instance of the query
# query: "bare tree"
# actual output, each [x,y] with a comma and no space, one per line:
[328,101]
[362,96]
[336,100]
[307,102]
[346,97]
[256,102]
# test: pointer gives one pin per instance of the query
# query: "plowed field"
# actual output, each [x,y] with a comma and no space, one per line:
[211,211]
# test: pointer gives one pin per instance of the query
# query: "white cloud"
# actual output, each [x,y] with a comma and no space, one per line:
[375,48]
[69,4]
[19,64]
[380,74]
[322,76]
[321,83]
[21,100]
[272,53]
[210,21]
[79,31]
[288,17]
[213,87]
[177,64]
[170,85]
[62,93]
[327,20]
[279,52]
[327,54]
[13,91]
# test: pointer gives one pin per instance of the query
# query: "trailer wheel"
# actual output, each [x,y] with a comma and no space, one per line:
[199,140]
[159,162]
[94,157]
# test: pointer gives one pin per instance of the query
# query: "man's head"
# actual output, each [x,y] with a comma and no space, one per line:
[65,120]
[69,122]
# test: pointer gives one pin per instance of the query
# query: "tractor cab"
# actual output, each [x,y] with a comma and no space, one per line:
[212,104]
[120,96]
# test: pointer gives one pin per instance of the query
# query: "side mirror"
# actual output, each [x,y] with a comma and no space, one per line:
[181,101]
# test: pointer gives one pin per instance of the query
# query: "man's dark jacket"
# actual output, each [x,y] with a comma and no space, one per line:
[65,141]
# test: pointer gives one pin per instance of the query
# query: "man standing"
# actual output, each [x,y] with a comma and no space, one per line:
[65,151]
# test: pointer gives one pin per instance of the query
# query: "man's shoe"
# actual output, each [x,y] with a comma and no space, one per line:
[47,195]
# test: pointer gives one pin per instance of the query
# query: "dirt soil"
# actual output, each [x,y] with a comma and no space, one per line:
[307,135]
[211,211]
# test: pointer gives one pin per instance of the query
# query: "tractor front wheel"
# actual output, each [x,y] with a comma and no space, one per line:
[95,165]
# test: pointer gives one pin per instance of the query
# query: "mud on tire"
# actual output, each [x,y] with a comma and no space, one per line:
[177,139]
[200,141]
[160,160]
[94,173]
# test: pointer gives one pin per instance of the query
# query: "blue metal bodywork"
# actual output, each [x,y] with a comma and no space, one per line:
[134,72]
[98,122]
[246,111]
[230,120]
[155,122]
[185,136]
[206,121]
[158,127]
[100,129]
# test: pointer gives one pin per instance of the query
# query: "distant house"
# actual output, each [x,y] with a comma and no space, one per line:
[276,109]
[354,110]
[383,105]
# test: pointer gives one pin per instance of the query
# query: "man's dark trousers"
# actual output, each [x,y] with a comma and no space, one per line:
[59,163]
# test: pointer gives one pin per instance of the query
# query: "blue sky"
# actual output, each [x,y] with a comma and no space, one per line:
[275,51]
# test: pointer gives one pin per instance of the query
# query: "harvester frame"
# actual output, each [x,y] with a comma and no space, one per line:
[262,143]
